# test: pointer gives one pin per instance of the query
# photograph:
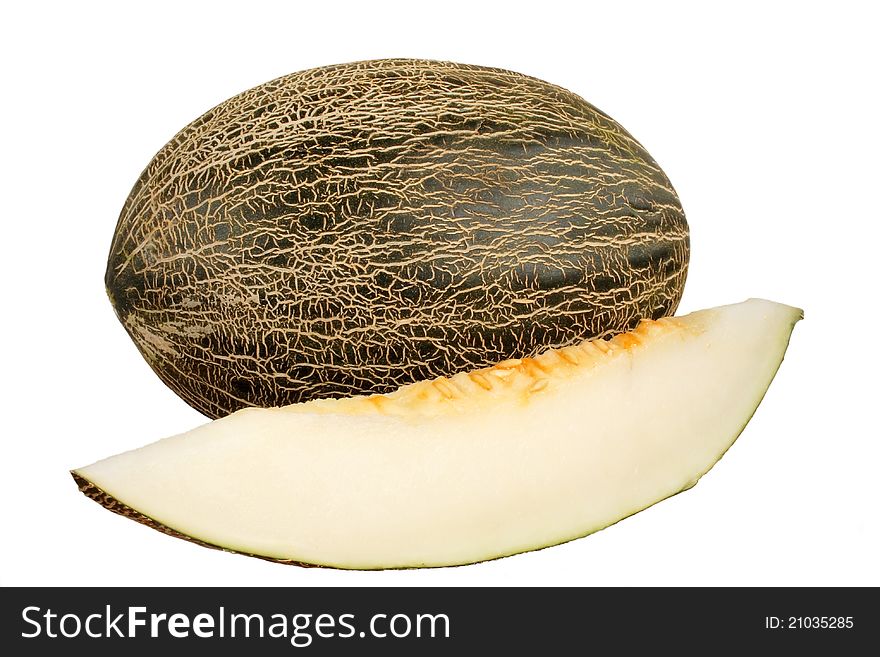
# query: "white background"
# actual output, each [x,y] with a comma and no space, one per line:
[765,117]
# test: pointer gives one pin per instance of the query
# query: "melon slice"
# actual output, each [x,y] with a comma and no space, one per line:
[526,454]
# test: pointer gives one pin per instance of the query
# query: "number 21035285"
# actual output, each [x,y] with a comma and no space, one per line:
[808,622]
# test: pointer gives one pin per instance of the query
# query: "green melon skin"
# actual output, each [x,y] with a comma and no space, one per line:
[354,228]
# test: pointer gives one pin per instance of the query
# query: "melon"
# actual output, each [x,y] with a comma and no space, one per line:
[526,454]
[354,228]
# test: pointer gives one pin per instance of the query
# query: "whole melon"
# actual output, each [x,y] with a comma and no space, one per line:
[353,228]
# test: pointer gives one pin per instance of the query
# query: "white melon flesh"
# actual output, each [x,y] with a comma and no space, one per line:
[520,456]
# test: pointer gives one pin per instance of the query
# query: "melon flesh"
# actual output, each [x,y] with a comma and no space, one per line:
[520,456]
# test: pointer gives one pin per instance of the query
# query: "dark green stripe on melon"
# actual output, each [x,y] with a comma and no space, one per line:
[353,228]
